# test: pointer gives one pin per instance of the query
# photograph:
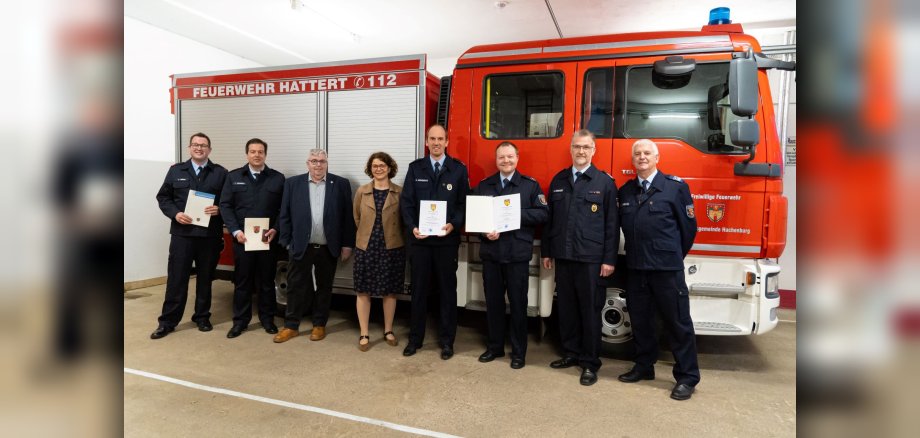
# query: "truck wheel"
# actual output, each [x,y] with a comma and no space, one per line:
[281,286]
[616,329]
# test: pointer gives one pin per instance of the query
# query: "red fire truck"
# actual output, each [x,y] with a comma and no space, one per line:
[702,96]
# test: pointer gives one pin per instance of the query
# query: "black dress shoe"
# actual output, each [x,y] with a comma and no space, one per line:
[270,328]
[410,350]
[489,356]
[517,363]
[236,331]
[682,391]
[565,362]
[161,332]
[447,353]
[588,377]
[635,375]
[205,326]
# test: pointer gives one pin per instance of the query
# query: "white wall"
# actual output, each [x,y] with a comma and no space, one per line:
[151,55]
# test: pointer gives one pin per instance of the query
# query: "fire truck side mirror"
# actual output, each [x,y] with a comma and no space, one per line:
[742,86]
[744,132]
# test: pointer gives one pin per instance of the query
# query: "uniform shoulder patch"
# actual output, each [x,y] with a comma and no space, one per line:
[542,199]
[691,213]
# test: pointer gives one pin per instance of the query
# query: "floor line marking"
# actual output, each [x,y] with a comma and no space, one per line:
[357,418]
[788,320]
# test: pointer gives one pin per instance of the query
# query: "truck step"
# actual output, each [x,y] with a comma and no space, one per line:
[718,289]
[715,327]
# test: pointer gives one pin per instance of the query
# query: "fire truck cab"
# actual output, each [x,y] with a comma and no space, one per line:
[703,97]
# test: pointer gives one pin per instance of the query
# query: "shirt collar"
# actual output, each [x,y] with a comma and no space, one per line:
[443,158]
[251,170]
[196,166]
[582,171]
[650,178]
[510,177]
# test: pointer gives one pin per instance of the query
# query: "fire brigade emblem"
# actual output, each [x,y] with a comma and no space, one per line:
[507,202]
[715,212]
[255,228]
[593,208]
[434,207]
[450,187]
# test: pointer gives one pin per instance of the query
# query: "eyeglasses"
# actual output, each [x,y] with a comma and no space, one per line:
[199,146]
[379,166]
[582,148]
[318,162]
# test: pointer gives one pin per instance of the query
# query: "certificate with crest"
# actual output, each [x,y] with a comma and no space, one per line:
[255,228]
[195,205]
[485,214]
[432,216]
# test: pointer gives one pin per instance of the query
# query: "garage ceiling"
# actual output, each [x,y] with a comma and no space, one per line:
[279,32]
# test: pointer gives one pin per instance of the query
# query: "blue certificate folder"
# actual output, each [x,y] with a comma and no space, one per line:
[194,207]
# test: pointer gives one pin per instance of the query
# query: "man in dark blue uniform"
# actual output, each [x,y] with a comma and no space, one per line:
[252,191]
[659,225]
[188,242]
[437,177]
[581,239]
[506,256]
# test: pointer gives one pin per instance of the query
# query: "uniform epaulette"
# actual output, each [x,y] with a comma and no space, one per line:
[608,175]
[675,178]
[483,180]
[461,162]
[179,164]
[530,178]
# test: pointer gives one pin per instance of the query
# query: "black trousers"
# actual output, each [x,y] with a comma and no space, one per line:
[438,263]
[580,296]
[498,278]
[253,269]
[302,294]
[667,292]
[182,252]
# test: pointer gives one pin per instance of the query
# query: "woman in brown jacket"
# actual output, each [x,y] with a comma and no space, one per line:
[380,257]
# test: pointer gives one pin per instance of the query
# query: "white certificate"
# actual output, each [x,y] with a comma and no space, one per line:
[195,205]
[254,228]
[485,214]
[432,216]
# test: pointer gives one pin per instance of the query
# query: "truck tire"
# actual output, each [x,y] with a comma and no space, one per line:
[281,287]
[616,328]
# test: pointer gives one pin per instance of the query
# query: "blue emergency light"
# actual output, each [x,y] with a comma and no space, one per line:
[719,16]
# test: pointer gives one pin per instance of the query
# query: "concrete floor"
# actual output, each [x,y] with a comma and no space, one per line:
[747,388]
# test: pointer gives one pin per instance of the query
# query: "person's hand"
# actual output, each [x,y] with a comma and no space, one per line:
[606,270]
[212,210]
[346,253]
[418,234]
[547,263]
[271,234]
[448,227]
[493,235]
[183,218]
[240,237]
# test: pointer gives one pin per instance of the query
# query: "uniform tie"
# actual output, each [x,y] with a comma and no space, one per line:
[645,186]
[437,167]
[255,176]
[505,182]
[197,170]
[577,175]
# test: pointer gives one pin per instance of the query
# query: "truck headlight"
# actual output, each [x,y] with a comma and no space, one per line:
[773,286]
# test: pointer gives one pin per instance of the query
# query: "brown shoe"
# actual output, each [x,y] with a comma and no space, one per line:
[391,342]
[365,346]
[285,335]
[319,332]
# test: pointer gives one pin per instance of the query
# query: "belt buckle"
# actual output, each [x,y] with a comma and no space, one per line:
[315,245]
